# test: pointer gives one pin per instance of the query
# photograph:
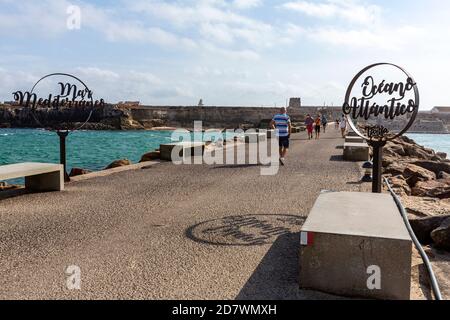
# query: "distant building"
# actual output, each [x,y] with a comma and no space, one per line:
[129,103]
[295,103]
[440,110]
[200,103]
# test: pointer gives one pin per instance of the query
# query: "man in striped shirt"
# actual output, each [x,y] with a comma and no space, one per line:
[282,123]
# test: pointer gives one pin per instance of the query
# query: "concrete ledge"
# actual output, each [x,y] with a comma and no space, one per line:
[356,151]
[104,173]
[348,233]
[182,148]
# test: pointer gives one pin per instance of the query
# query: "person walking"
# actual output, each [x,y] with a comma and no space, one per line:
[324,123]
[343,126]
[282,123]
[318,125]
[309,123]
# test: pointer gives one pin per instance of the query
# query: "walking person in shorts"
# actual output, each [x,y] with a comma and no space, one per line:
[343,126]
[309,123]
[324,123]
[282,123]
[318,125]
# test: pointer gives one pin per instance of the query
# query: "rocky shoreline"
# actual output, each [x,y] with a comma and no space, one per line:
[421,177]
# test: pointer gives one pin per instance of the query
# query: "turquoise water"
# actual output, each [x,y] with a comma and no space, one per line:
[438,142]
[93,150]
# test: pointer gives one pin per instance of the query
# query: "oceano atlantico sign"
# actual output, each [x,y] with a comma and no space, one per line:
[69,94]
[398,99]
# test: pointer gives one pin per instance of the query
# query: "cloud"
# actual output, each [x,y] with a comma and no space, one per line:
[348,10]
[247,4]
[389,39]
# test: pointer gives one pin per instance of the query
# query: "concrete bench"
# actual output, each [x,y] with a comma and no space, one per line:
[347,238]
[182,149]
[39,177]
[356,151]
[352,133]
[354,139]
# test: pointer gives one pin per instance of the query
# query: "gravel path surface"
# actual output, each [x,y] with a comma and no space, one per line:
[171,232]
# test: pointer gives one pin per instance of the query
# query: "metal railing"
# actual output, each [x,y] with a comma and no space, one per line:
[434,283]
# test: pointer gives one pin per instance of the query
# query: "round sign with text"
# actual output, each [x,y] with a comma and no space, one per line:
[381,102]
[60,96]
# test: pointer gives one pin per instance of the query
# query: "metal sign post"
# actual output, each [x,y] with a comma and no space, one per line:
[364,106]
[62,151]
[377,182]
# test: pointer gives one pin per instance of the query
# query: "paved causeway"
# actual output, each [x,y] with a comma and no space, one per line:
[171,232]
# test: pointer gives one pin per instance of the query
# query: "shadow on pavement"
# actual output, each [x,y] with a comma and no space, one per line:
[244,230]
[337,158]
[276,277]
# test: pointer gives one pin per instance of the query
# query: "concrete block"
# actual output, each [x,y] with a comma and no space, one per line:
[356,151]
[348,240]
[39,177]
[352,133]
[182,149]
[354,139]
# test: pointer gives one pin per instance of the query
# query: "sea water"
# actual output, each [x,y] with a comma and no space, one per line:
[438,142]
[93,150]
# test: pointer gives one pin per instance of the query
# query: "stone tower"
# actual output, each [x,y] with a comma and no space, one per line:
[295,103]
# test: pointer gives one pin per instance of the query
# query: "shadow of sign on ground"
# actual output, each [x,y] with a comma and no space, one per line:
[244,230]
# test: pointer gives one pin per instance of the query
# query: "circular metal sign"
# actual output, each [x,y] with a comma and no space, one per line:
[364,107]
[69,92]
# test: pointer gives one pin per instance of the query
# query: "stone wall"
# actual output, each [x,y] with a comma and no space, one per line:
[212,116]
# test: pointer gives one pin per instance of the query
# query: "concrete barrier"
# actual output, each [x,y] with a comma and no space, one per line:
[354,151]
[356,245]
[182,149]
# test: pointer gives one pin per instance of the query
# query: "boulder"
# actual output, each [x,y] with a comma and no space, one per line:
[422,207]
[435,189]
[416,151]
[442,155]
[395,169]
[78,172]
[443,175]
[435,166]
[119,163]
[424,226]
[150,156]
[441,235]
[400,186]
[414,174]
[410,172]
[395,148]
[6,187]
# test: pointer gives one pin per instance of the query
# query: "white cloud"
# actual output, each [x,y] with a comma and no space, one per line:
[247,4]
[348,10]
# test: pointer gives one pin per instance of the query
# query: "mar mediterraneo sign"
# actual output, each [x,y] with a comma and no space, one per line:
[69,94]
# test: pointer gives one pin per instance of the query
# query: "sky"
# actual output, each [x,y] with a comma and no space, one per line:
[226,52]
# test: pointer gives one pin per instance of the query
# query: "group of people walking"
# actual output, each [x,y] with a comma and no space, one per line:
[282,123]
[315,125]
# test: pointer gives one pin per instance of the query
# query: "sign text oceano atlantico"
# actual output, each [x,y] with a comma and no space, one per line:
[395,106]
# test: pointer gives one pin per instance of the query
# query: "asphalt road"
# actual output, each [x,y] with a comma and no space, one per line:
[171,232]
